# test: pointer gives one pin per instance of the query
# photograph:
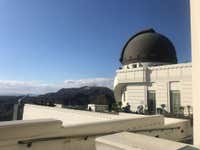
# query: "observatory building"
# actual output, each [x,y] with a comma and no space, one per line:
[150,76]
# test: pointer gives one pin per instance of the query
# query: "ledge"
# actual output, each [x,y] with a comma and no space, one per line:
[130,141]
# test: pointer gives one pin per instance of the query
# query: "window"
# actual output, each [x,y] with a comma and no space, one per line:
[175,101]
[151,101]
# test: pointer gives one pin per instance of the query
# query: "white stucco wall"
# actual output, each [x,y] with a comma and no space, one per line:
[135,95]
[161,93]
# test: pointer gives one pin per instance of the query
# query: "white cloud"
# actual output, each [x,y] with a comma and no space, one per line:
[107,82]
[12,87]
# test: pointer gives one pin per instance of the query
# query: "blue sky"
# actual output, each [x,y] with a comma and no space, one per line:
[51,41]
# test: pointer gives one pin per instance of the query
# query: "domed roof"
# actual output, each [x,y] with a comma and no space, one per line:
[148,46]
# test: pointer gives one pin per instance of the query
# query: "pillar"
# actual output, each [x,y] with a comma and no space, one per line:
[195,40]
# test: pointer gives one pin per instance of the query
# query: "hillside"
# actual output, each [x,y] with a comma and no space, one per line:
[75,96]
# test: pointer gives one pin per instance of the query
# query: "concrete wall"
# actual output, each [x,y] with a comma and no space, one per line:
[103,123]
[195,24]
[130,141]
[78,129]
[51,134]
[41,135]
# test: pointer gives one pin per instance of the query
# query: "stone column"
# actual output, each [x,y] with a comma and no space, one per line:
[195,38]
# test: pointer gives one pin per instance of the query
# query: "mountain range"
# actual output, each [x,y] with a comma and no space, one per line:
[75,96]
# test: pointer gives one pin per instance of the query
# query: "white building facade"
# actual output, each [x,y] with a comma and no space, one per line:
[153,84]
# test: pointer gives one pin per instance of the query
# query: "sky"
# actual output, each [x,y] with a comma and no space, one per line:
[49,44]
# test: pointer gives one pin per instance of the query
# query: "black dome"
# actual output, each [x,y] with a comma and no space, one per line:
[148,46]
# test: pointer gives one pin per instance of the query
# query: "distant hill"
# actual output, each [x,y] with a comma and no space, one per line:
[9,99]
[75,96]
